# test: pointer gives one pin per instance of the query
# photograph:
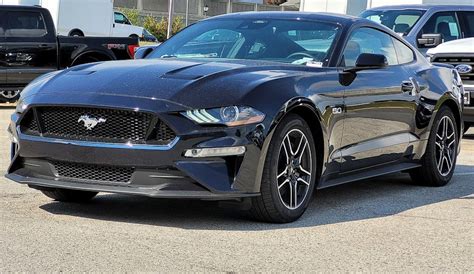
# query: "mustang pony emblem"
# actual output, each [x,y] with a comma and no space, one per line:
[90,122]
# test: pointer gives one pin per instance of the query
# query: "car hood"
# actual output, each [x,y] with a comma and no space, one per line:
[189,83]
[455,46]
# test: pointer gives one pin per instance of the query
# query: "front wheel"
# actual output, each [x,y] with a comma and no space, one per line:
[439,160]
[67,195]
[289,174]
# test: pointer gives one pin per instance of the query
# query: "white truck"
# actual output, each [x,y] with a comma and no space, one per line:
[85,17]
[460,54]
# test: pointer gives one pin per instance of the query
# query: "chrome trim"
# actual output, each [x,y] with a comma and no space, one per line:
[167,176]
[96,144]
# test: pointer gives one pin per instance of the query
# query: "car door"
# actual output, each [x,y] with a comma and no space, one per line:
[466,19]
[3,66]
[379,106]
[31,47]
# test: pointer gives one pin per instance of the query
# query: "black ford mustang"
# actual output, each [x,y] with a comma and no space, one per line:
[262,108]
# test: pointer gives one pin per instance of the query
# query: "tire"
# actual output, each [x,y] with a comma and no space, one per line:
[89,59]
[67,195]
[439,149]
[76,33]
[282,176]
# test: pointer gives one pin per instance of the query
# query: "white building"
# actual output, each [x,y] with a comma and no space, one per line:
[20,2]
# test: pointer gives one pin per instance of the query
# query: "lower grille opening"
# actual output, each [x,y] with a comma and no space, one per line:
[89,172]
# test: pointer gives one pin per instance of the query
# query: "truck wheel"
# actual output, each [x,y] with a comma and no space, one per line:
[76,33]
[67,195]
[90,59]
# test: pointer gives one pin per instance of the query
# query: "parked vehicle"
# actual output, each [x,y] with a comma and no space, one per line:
[148,37]
[29,48]
[426,26]
[90,18]
[258,117]
[460,54]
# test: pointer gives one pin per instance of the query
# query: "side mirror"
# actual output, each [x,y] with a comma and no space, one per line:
[430,40]
[364,61]
[143,52]
[369,61]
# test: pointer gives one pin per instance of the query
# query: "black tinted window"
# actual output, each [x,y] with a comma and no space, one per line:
[444,23]
[367,40]
[25,24]
[297,42]
[400,21]
[467,19]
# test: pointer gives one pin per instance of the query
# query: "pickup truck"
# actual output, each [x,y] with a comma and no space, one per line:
[460,54]
[426,26]
[29,47]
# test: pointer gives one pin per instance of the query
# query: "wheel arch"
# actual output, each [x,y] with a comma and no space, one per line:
[99,55]
[75,30]
[306,109]
[451,103]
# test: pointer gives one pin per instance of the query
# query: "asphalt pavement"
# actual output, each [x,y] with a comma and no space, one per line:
[383,224]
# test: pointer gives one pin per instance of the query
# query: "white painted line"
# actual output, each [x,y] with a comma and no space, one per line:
[464,173]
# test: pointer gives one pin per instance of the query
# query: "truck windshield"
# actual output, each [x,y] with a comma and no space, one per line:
[400,21]
[287,41]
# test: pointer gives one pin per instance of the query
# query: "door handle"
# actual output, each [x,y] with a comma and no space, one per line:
[42,46]
[407,86]
[411,86]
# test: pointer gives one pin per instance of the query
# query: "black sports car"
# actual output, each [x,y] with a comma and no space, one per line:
[261,108]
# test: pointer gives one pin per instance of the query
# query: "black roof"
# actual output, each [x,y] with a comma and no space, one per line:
[295,15]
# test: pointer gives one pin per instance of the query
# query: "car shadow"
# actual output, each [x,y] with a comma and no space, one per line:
[468,136]
[374,198]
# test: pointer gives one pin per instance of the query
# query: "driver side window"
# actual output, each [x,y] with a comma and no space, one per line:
[368,40]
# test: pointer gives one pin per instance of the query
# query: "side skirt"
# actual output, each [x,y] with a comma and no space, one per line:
[366,174]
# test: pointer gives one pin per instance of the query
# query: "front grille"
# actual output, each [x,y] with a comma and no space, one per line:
[458,61]
[105,125]
[97,173]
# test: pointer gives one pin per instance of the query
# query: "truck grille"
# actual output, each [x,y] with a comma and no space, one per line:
[97,173]
[97,125]
[458,61]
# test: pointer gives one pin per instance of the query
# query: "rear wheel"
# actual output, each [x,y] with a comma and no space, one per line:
[67,195]
[289,173]
[439,160]
[76,33]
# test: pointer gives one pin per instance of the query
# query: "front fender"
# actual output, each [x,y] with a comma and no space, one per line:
[294,105]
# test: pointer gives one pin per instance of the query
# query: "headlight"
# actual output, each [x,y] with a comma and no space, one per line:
[229,116]
[21,106]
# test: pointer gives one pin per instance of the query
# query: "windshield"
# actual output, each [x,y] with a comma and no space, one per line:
[400,21]
[287,41]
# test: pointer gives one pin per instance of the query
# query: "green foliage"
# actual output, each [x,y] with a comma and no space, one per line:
[159,28]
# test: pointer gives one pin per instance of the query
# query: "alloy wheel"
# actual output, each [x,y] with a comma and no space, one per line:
[445,146]
[294,169]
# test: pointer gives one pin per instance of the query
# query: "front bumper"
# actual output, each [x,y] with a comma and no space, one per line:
[157,171]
